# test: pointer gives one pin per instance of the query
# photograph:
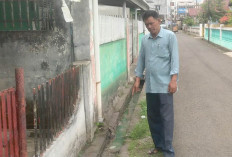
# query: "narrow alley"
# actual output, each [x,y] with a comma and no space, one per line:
[202,104]
[67,72]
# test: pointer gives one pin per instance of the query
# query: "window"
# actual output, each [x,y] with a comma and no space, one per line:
[26,15]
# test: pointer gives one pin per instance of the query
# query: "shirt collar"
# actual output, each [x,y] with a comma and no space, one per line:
[160,34]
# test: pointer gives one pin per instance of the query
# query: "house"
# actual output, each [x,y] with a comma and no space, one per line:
[46,38]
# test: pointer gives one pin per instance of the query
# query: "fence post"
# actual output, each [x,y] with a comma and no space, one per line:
[21,108]
[221,25]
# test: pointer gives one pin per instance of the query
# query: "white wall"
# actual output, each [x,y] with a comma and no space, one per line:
[111,28]
[194,30]
[140,26]
[112,11]
[71,139]
[80,126]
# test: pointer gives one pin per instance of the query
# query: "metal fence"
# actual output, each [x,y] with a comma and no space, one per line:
[54,103]
[26,15]
[12,120]
[9,145]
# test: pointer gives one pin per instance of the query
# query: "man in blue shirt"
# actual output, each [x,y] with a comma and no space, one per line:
[159,57]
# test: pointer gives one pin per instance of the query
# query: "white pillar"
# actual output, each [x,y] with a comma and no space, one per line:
[124,9]
[201,30]
[97,58]
[221,25]
[136,14]
[127,39]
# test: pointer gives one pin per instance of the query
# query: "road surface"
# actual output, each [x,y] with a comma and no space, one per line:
[203,104]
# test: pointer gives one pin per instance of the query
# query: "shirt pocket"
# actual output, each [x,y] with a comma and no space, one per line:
[162,52]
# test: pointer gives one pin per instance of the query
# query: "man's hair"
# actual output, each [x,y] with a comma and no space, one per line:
[150,13]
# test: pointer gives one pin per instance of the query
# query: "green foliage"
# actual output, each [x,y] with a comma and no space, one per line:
[100,125]
[141,130]
[188,21]
[211,10]
[230,3]
[230,21]
[227,18]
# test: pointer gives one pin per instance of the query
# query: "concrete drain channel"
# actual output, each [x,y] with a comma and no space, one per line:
[122,128]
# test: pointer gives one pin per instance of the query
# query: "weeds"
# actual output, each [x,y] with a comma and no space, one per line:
[140,140]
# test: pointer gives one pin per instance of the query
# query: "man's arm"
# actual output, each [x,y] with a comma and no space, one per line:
[139,69]
[136,85]
[172,88]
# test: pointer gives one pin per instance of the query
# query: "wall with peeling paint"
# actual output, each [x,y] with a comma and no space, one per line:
[42,54]
[45,54]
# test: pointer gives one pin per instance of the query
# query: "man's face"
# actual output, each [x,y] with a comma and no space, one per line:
[153,25]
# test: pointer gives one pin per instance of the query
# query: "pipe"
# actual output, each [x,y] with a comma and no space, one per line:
[97,58]
[20,97]
[128,40]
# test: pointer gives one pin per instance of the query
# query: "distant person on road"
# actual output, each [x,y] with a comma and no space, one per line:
[159,56]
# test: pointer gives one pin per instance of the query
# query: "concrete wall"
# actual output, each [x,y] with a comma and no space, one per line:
[220,35]
[45,54]
[82,37]
[42,54]
[80,126]
[141,35]
[113,68]
[111,28]
[113,53]
[112,11]
[195,30]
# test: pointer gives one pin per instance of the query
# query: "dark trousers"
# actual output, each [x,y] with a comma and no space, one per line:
[161,121]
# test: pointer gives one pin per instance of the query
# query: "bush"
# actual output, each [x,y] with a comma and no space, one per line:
[224,20]
[227,18]
[188,21]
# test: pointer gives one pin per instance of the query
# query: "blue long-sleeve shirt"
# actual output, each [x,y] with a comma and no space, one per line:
[160,58]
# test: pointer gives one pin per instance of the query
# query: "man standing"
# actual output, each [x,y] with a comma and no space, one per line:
[159,56]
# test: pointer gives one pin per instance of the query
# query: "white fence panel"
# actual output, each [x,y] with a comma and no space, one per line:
[194,30]
[111,28]
[140,26]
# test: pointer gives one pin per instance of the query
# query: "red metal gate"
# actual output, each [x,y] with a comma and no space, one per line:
[12,119]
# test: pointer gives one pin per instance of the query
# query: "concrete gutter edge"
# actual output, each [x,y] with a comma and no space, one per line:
[104,135]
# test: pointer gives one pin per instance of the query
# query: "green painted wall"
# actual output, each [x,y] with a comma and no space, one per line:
[140,39]
[225,41]
[113,61]
[113,58]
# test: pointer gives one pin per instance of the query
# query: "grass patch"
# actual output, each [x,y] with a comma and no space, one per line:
[140,140]
[141,129]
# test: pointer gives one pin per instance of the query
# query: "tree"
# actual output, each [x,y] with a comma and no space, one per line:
[212,9]
[230,3]
[188,21]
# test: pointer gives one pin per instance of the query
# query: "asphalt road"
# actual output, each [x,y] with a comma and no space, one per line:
[203,104]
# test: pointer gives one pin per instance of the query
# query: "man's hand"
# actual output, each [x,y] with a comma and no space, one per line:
[172,87]
[135,88]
